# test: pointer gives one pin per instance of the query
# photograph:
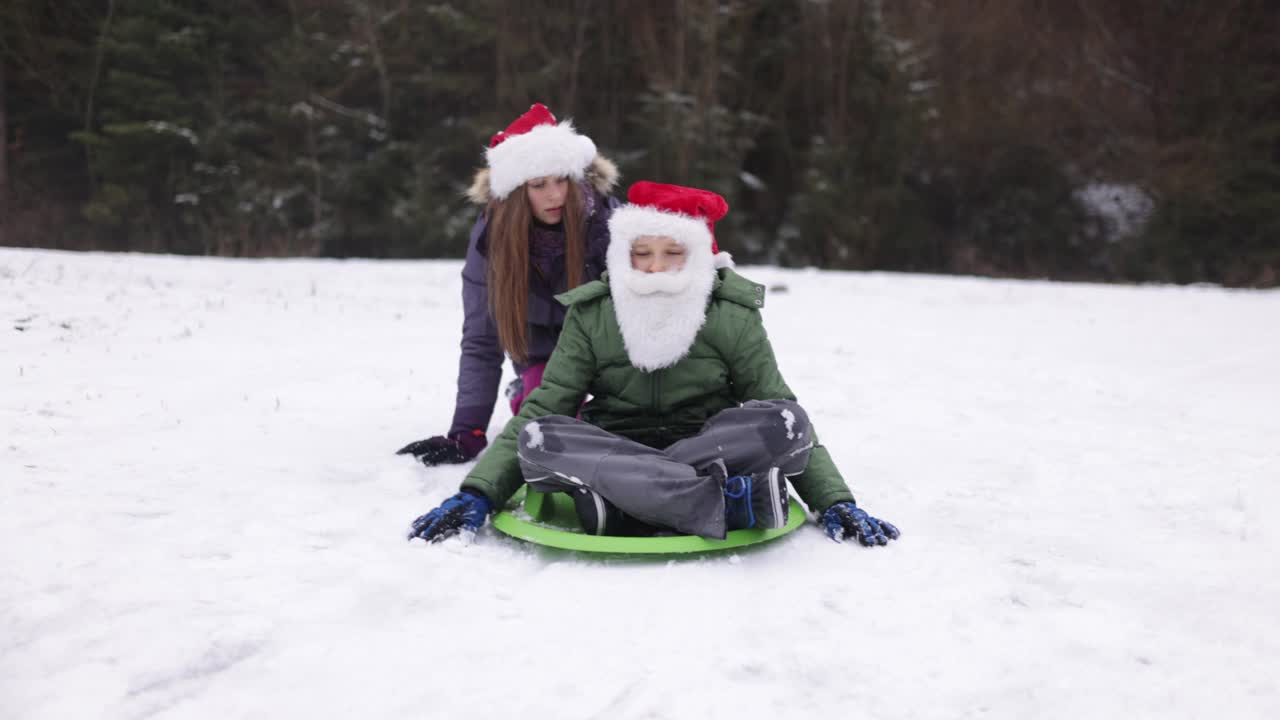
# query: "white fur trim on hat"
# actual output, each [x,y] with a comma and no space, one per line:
[632,221]
[544,150]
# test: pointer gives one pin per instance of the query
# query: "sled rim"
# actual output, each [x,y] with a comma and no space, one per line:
[550,536]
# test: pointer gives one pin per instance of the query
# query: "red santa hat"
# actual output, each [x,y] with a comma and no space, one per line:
[534,146]
[684,214]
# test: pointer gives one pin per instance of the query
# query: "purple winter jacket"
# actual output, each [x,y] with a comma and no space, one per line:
[480,366]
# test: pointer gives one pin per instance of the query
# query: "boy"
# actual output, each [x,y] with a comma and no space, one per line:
[690,425]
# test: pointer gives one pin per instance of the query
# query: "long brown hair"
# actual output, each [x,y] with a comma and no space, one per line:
[510,221]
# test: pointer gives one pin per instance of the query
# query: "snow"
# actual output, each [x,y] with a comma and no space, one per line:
[789,419]
[534,431]
[1123,209]
[753,181]
[201,515]
[165,128]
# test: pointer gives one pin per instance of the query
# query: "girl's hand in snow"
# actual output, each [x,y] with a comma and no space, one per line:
[459,447]
[465,511]
[844,519]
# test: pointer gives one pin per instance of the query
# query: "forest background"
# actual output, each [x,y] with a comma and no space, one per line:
[1068,139]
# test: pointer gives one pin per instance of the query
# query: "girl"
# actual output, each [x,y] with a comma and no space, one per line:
[544,230]
[690,425]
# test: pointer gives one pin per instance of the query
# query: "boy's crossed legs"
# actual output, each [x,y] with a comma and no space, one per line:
[675,487]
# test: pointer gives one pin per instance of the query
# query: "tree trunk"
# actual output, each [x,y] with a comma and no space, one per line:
[98,52]
[4,163]
[370,22]
[581,14]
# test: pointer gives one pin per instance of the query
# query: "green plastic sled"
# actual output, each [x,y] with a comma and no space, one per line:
[552,521]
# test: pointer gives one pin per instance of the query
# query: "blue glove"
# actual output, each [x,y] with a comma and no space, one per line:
[465,511]
[844,519]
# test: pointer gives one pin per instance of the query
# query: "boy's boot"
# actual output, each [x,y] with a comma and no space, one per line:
[597,515]
[758,500]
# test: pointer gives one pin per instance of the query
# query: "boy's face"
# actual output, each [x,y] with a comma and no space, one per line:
[656,253]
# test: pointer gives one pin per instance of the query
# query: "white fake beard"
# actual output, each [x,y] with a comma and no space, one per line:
[660,314]
[663,283]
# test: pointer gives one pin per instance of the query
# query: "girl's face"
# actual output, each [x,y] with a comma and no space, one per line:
[547,197]
[655,254]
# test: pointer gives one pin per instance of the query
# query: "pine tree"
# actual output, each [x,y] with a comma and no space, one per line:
[47,51]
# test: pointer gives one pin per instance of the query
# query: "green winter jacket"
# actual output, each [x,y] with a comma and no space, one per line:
[731,361]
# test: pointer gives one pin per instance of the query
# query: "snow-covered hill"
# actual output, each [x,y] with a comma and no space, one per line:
[201,515]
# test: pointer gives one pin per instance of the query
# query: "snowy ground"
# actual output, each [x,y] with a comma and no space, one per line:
[201,515]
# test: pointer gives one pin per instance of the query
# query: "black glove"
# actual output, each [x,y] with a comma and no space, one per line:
[844,520]
[457,448]
[465,511]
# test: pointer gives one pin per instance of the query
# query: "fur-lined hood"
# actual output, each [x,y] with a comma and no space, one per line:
[602,173]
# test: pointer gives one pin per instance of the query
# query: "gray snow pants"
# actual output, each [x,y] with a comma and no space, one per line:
[668,488]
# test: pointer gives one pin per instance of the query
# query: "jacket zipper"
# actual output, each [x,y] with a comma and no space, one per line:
[657,381]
